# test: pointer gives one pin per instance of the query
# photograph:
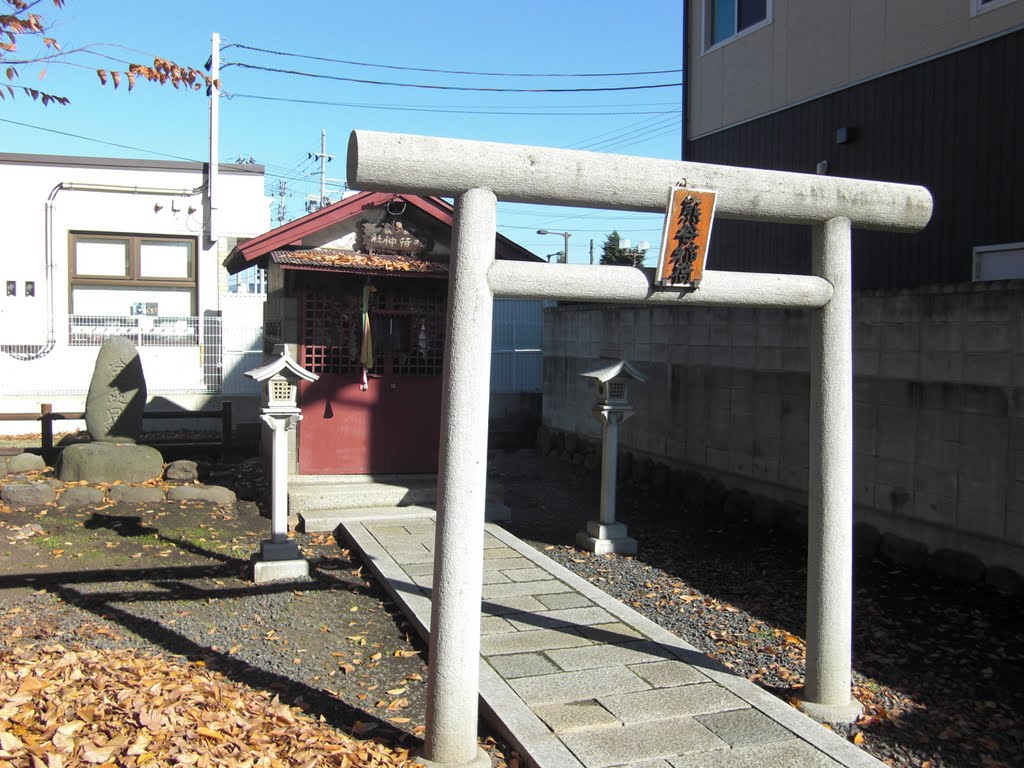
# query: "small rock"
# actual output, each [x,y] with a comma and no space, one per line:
[136,494]
[80,496]
[27,494]
[25,462]
[215,494]
[903,551]
[182,471]
[956,565]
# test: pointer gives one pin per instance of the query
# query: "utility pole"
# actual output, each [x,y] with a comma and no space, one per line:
[324,159]
[214,93]
[282,190]
[591,250]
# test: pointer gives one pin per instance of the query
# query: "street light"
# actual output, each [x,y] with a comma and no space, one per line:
[564,258]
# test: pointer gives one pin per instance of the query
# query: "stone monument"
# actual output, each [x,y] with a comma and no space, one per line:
[113,417]
[117,393]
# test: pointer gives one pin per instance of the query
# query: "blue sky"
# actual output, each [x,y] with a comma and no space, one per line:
[263,116]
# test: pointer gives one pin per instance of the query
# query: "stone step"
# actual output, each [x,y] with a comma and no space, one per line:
[330,493]
[328,520]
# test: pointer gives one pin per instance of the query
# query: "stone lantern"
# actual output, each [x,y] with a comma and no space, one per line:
[279,558]
[612,407]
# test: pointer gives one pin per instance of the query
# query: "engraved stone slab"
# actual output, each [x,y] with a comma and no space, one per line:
[117,393]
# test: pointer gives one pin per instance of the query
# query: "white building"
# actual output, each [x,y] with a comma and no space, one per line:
[96,247]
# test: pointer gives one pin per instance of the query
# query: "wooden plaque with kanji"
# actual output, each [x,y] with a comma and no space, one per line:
[687,234]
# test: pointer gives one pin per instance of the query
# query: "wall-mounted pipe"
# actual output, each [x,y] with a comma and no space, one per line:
[48,263]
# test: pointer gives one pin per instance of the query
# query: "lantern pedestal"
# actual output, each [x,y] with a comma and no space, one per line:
[605,536]
[279,558]
[604,539]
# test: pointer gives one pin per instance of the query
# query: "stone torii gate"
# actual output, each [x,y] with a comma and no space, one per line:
[477,175]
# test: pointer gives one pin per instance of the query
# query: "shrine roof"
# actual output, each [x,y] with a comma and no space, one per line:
[341,260]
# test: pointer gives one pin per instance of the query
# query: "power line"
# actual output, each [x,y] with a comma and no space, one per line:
[452,71]
[442,110]
[427,86]
[98,141]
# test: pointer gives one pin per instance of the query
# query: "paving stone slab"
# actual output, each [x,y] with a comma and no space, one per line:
[502,564]
[561,600]
[490,542]
[743,727]
[522,665]
[667,674]
[500,553]
[596,656]
[665,703]
[413,556]
[419,569]
[612,632]
[495,625]
[577,716]
[528,642]
[563,687]
[493,577]
[502,606]
[646,741]
[779,754]
[518,589]
[389,529]
[578,617]
[531,573]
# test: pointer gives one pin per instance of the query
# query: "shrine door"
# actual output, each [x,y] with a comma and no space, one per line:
[391,423]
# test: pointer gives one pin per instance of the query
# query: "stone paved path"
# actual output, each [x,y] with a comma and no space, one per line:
[573,678]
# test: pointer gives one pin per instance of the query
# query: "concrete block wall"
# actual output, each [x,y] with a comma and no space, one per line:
[938,403]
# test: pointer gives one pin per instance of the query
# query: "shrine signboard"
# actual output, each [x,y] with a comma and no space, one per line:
[392,237]
[686,236]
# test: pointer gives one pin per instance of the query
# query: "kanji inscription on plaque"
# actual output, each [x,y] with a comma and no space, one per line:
[686,236]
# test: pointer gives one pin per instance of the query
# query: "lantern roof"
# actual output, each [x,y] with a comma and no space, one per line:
[609,371]
[283,362]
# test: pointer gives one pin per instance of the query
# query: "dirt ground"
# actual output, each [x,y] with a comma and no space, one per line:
[175,579]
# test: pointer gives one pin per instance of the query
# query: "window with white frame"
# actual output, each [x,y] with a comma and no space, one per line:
[998,262]
[725,19]
[980,6]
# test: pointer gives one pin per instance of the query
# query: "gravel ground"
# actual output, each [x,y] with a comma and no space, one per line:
[939,666]
[175,579]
